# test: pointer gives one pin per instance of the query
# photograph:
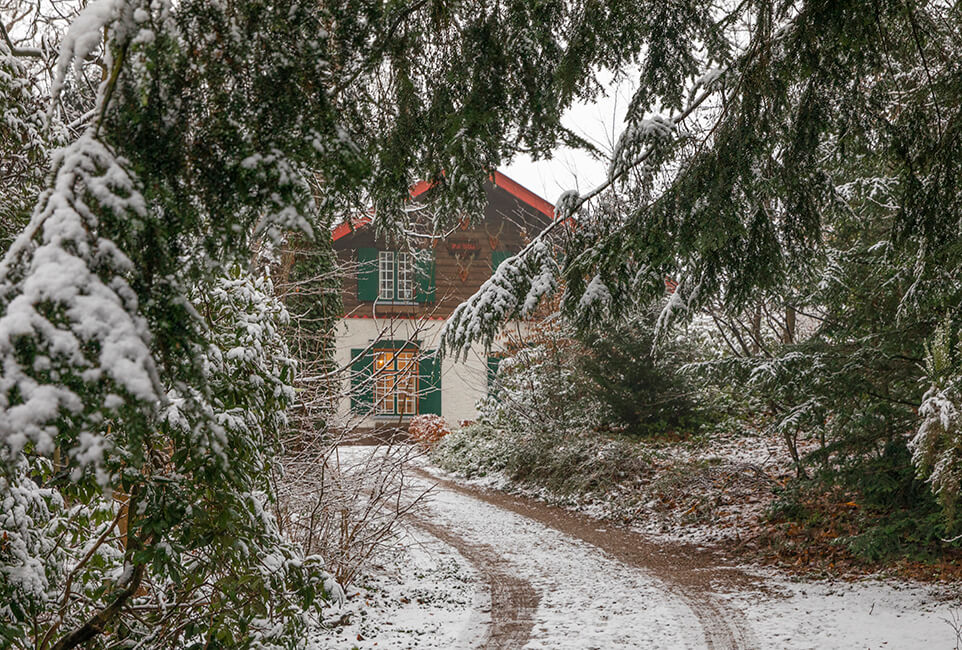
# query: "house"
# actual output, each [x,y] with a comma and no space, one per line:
[397,299]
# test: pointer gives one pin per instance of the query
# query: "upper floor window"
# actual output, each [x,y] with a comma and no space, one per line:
[395,276]
[399,276]
[385,275]
[405,276]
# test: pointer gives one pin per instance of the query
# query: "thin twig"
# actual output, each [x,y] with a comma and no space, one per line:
[30,52]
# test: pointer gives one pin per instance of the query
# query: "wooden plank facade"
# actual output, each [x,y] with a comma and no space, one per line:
[461,262]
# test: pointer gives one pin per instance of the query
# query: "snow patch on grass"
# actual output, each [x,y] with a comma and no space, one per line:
[860,614]
[423,595]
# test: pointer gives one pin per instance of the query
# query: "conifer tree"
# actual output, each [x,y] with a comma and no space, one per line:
[805,155]
[144,378]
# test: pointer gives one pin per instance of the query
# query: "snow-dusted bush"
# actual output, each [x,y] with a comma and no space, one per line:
[574,464]
[475,450]
[196,511]
[25,139]
[617,379]
[638,380]
[541,425]
[144,377]
[539,386]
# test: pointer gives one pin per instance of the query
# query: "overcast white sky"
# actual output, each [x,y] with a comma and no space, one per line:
[598,123]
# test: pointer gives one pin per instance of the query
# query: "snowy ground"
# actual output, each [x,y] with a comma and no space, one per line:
[866,614]
[478,575]
[424,595]
[586,599]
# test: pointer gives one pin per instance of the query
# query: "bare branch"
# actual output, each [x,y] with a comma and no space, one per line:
[30,52]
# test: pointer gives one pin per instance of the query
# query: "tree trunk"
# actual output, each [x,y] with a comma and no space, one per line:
[789,335]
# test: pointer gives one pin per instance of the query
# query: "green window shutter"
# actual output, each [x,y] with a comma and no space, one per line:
[362,389]
[425,277]
[367,274]
[497,257]
[429,388]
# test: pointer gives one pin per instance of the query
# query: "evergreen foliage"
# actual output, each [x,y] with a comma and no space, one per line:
[24,141]
[640,386]
[310,288]
[937,444]
[807,155]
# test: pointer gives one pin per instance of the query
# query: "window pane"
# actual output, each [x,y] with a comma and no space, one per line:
[405,276]
[385,275]
[384,382]
[407,385]
[396,382]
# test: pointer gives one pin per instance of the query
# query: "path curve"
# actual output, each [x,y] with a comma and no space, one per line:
[691,573]
[513,600]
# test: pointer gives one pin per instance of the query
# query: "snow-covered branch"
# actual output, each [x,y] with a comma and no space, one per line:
[29,52]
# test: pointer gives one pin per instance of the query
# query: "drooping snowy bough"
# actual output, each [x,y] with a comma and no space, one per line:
[514,290]
[75,350]
[520,282]
[937,444]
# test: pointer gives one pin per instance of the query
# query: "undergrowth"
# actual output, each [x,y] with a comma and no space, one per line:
[611,425]
[871,513]
[567,464]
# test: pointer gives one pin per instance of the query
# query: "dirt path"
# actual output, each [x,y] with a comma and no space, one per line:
[513,600]
[689,573]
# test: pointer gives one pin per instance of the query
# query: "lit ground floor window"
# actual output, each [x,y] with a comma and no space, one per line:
[396,382]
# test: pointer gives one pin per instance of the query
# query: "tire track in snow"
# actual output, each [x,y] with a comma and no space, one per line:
[686,571]
[513,600]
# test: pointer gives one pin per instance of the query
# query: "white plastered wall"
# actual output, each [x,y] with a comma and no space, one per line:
[463,382]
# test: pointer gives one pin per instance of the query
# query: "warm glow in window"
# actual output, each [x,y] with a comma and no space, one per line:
[396,382]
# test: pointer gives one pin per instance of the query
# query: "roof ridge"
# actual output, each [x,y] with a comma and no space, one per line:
[497,178]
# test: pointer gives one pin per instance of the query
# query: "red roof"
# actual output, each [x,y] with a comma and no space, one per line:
[522,193]
[510,186]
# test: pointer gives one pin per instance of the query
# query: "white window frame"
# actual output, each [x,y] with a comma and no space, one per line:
[385,275]
[405,276]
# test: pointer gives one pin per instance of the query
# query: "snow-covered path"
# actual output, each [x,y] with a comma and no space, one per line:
[542,577]
[576,584]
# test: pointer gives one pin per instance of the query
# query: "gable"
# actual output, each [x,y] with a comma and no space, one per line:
[509,198]
[462,261]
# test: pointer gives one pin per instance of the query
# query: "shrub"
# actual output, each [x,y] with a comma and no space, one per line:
[622,379]
[567,463]
[637,383]
[428,429]
[875,507]
[473,451]
[539,387]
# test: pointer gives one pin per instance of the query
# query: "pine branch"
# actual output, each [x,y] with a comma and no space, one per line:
[383,43]
[925,65]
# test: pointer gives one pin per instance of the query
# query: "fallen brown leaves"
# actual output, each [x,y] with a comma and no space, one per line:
[814,547]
